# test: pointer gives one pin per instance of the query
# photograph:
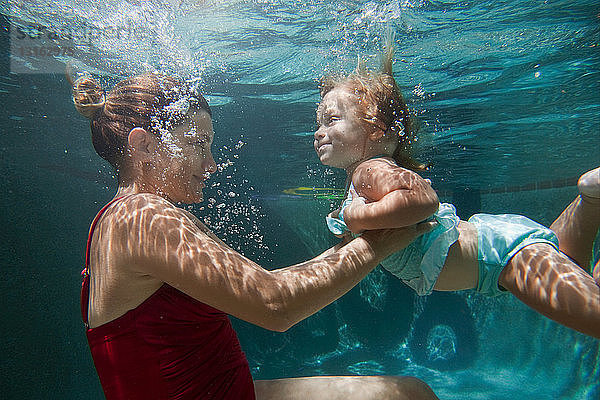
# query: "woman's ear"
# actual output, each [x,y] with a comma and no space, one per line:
[141,144]
[375,133]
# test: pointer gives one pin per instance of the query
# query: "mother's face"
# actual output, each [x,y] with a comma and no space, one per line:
[186,160]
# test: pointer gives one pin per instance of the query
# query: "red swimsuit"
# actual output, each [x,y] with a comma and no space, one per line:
[169,347]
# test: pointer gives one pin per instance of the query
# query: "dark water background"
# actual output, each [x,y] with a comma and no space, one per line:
[507,94]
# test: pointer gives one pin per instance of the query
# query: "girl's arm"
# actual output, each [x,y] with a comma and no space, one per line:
[396,197]
[159,241]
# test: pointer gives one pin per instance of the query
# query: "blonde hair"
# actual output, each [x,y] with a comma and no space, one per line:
[88,96]
[133,102]
[381,104]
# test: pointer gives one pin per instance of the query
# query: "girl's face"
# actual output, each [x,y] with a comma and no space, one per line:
[341,140]
[187,158]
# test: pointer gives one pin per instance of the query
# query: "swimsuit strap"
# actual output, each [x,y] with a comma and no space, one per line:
[85,285]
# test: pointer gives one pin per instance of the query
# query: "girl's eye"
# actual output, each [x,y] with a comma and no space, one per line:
[327,120]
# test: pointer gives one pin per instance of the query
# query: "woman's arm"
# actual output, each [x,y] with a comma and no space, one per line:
[164,243]
[396,197]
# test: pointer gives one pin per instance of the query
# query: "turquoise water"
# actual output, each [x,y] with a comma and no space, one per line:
[507,94]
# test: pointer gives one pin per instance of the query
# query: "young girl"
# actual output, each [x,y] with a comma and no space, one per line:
[365,128]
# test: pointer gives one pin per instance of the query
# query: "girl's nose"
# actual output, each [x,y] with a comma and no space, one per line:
[319,134]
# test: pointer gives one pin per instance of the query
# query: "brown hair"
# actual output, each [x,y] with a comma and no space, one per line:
[380,104]
[139,101]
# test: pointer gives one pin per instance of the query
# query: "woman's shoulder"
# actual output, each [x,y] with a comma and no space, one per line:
[144,200]
[147,208]
[146,203]
[141,209]
[142,220]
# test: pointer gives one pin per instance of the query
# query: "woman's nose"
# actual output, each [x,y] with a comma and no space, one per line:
[209,164]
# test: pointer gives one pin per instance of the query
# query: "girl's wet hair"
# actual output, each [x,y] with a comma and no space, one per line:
[143,101]
[381,104]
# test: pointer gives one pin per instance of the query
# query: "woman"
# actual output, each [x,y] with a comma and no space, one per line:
[160,284]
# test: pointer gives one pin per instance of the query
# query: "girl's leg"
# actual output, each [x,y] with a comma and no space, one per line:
[578,224]
[553,285]
[344,388]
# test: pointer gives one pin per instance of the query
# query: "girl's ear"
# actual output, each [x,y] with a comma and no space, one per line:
[141,144]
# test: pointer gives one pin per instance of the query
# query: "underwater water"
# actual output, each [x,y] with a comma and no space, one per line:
[508,97]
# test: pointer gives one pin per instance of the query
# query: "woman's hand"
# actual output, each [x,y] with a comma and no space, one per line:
[357,203]
[387,241]
[335,215]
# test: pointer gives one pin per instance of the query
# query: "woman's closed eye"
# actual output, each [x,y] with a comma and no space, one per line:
[195,138]
[199,142]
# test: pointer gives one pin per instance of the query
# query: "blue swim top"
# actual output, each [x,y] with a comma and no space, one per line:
[419,264]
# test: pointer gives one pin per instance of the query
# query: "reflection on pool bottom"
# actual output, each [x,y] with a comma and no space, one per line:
[441,343]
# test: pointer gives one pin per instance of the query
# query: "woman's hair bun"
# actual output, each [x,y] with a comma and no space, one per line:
[88,96]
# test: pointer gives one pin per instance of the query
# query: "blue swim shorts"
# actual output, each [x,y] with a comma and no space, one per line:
[499,238]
